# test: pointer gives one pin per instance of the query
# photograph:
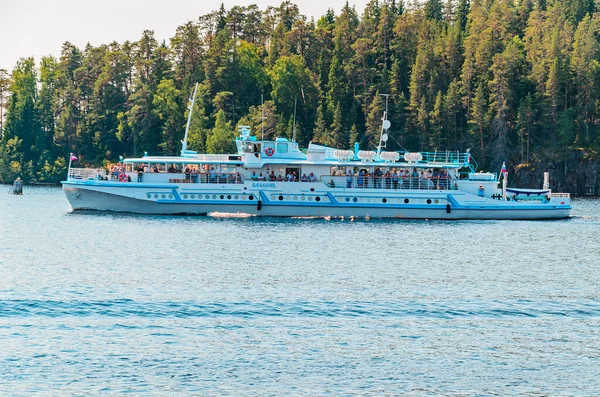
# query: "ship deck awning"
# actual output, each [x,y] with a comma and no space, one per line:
[233,160]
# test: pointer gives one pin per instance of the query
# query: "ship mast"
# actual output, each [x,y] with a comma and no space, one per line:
[385,125]
[262,124]
[294,125]
[187,127]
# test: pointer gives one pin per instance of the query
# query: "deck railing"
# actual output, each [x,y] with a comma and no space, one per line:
[151,177]
[86,173]
[561,195]
[220,178]
[383,182]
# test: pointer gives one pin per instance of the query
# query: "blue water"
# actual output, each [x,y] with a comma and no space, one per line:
[108,304]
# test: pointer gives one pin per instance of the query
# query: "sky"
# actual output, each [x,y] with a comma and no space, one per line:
[40,27]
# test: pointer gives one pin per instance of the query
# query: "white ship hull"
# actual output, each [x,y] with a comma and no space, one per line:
[302,200]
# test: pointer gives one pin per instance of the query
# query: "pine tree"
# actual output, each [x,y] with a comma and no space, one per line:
[321,133]
[22,121]
[436,131]
[586,67]
[339,136]
[221,138]
[462,14]
[168,110]
[479,120]
[353,138]
[433,10]
[525,120]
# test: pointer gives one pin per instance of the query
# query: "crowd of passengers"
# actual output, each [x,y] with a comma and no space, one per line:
[290,177]
[114,173]
[194,175]
[396,179]
[390,179]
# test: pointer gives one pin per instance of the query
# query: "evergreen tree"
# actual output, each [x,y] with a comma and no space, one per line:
[295,89]
[168,110]
[434,10]
[480,120]
[462,14]
[321,133]
[339,136]
[22,121]
[221,137]
[586,68]
[436,131]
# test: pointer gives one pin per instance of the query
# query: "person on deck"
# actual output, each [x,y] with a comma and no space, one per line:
[394,179]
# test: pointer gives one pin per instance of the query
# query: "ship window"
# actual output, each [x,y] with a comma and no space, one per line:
[282,148]
[337,170]
[248,147]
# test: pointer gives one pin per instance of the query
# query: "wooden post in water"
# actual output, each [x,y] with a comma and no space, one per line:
[17,186]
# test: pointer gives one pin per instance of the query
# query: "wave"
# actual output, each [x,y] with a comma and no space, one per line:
[247,309]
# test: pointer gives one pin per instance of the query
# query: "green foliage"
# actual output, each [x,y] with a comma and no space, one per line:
[198,129]
[221,137]
[168,109]
[513,80]
[295,89]
[433,10]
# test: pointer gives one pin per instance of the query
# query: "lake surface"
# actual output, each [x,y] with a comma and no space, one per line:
[109,304]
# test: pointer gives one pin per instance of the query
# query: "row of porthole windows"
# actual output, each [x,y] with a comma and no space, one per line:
[295,198]
[301,198]
[206,196]
[162,196]
[385,200]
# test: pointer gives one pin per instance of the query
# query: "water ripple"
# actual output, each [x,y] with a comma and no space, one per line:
[309,309]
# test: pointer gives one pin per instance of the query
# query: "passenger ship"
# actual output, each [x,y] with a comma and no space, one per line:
[277,178]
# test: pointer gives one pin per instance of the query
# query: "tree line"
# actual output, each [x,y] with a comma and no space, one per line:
[514,80]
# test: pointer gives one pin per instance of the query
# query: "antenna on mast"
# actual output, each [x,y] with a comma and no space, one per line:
[385,125]
[187,127]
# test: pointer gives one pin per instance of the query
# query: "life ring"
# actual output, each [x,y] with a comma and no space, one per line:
[122,177]
[269,151]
